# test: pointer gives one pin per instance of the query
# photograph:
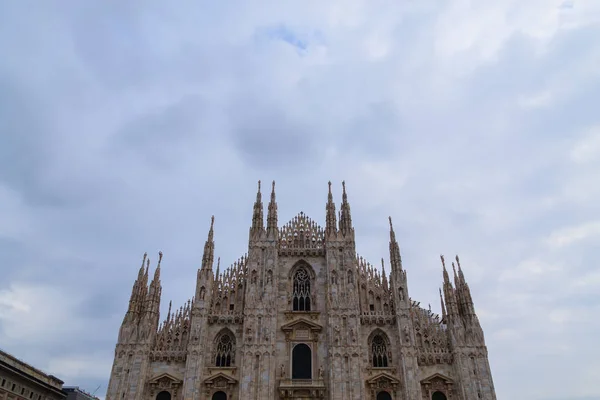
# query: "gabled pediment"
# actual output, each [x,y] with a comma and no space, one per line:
[165,376]
[437,376]
[219,376]
[301,323]
[383,376]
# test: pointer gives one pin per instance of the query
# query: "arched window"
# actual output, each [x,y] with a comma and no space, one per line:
[384,396]
[225,352]
[163,396]
[379,352]
[301,362]
[438,396]
[219,396]
[301,294]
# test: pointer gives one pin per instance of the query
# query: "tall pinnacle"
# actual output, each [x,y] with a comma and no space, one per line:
[157,270]
[443,306]
[272,214]
[384,274]
[330,218]
[345,217]
[257,215]
[445,272]
[209,247]
[395,258]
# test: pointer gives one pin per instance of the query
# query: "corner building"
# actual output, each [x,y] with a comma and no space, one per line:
[301,316]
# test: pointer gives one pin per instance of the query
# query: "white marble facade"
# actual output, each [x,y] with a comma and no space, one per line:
[301,316]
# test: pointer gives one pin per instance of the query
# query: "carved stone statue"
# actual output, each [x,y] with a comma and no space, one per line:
[406,334]
[282,371]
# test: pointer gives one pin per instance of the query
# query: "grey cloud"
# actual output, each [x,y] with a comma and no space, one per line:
[23,145]
[184,115]
[266,137]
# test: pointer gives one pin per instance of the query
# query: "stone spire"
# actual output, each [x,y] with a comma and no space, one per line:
[384,275]
[155,290]
[443,306]
[345,217]
[445,272]
[157,270]
[330,218]
[395,258]
[138,292]
[209,248]
[272,215]
[257,215]
[463,291]
[449,292]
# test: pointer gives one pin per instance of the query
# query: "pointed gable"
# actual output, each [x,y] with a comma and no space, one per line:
[381,378]
[301,233]
[437,377]
[220,379]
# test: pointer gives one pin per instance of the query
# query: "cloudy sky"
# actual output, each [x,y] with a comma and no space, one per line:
[475,124]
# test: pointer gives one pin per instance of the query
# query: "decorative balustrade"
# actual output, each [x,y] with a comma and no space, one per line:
[231,317]
[301,388]
[308,383]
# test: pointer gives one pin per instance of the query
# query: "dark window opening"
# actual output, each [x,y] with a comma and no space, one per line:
[301,362]
[164,395]
[384,396]
[438,396]
[371,307]
[231,307]
[219,396]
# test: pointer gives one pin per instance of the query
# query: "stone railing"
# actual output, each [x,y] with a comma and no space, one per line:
[307,383]
[301,389]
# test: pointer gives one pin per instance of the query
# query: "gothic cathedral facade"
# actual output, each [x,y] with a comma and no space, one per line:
[301,316]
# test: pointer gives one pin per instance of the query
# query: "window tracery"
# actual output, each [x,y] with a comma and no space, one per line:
[379,352]
[225,350]
[301,290]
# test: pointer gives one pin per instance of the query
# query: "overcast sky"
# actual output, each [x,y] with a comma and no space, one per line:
[124,125]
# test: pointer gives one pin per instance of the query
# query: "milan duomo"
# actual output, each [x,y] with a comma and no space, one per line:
[301,316]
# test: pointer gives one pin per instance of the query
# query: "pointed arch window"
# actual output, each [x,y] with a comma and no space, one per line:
[301,290]
[225,350]
[379,352]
